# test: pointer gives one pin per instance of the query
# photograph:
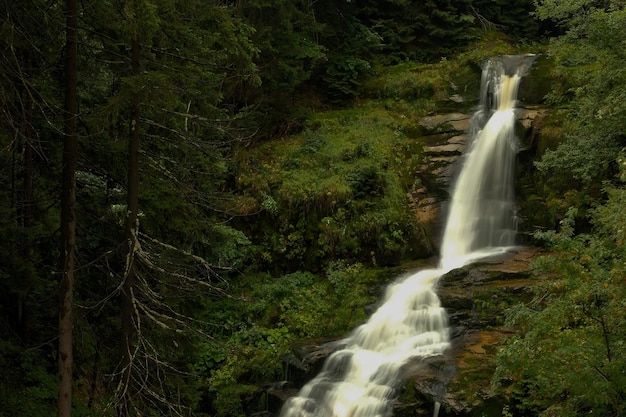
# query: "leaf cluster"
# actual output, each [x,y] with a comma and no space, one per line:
[567,358]
[276,312]
[591,88]
[339,190]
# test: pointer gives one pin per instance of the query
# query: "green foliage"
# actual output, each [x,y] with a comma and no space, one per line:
[409,81]
[29,216]
[305,311]
[430,30]
[276,312]
[423,31]
[351,45]
[249,359]
[342,76]
[285,36]
[514,19]
[591,72]
[568,356]
[29,390]
[339,189]
[230,247]
[580,139]
[567,13]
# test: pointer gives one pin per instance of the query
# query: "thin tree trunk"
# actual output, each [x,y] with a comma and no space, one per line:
[128,326]
[24,305]
[28,183]
[68,213]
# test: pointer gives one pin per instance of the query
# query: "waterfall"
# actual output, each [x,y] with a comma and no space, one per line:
[482,216]
[363,375]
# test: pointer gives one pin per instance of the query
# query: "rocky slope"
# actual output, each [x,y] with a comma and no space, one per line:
[476,297]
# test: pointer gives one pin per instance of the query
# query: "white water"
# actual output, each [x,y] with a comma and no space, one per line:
[481,217]
[361,378]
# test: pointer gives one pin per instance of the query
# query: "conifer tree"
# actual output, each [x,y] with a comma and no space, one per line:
[68,213]
[168,108]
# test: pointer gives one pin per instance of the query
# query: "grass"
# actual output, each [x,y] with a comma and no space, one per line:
[319,168]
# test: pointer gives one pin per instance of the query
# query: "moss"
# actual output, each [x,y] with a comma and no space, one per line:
[351,168]
[407,81]
[553,131]
[491,304]
[535,87]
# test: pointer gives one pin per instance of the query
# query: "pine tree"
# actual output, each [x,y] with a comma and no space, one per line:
[68,213]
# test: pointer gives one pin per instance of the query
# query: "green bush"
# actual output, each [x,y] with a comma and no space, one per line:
[28,385]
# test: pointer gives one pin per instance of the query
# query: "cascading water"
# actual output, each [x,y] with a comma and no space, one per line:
[362,376]
[482,215]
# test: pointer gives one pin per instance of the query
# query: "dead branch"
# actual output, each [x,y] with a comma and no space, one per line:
[486,23]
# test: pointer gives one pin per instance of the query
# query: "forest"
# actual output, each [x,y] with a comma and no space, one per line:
[191,188]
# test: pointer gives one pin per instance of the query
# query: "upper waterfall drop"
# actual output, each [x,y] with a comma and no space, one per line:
[362,376]
[482,216]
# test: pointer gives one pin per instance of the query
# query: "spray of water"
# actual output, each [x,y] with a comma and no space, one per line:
[363,375]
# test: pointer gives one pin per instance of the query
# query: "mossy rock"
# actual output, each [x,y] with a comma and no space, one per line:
[551,131]
[538,82]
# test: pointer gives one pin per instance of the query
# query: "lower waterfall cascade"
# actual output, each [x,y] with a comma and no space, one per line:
[361,378]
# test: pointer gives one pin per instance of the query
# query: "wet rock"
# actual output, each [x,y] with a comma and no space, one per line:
[475,297]
[528,116]
[446,122]
[458,139]
[446,149]
[457,98]
[276,394]
[443,150]
[304,362]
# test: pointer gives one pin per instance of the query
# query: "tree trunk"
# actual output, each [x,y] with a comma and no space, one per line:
[25,307]
[68,213]
[128,327]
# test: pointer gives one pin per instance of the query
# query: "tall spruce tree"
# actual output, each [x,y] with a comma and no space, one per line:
[68,213]
[286,35]
[27,122]
[31,140]
[171,100]
[128,325]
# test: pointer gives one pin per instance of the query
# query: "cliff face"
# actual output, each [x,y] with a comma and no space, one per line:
[444,141]
[475,296]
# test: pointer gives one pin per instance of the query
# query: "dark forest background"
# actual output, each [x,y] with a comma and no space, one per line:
[189,187]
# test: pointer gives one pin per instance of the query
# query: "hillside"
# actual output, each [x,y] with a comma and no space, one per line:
[347,204]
